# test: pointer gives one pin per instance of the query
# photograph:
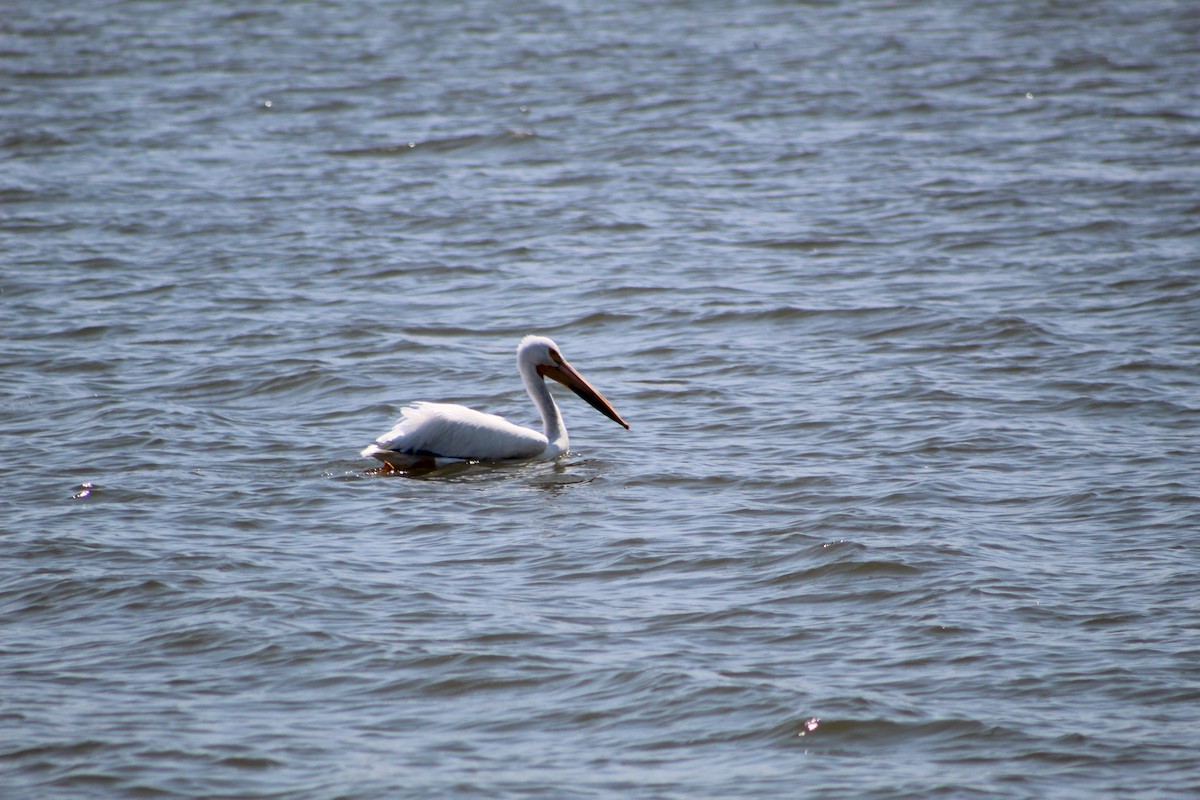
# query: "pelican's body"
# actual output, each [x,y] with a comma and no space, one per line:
[436,433]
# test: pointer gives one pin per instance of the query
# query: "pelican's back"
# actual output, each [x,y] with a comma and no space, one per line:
[445,430]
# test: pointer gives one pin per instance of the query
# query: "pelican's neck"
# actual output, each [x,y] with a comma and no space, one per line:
[552,422]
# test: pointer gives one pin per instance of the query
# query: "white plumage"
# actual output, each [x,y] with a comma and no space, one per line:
[429,434]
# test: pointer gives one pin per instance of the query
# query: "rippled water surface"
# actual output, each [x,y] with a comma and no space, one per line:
[901,301]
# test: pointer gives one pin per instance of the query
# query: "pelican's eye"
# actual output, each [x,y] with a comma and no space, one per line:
[555,356]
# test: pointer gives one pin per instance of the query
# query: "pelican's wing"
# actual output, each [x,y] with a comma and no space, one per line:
[444,430]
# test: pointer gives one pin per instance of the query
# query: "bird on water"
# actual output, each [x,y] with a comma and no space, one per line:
[434,434]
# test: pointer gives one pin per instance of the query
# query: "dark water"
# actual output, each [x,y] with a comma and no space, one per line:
[901,300]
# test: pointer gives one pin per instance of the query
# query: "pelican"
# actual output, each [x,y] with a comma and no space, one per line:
[433,434]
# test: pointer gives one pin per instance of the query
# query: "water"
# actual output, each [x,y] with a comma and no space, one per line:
[900,300]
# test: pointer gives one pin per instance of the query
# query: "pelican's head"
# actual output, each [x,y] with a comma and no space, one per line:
[536,350]
[543,356]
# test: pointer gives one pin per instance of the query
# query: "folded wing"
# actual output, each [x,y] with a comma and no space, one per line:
[445,430]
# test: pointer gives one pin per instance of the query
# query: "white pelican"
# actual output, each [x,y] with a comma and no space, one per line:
[432,434]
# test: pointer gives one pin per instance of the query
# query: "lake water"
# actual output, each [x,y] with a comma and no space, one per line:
[900,299]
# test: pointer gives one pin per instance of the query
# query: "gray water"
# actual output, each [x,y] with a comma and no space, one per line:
[900,299]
